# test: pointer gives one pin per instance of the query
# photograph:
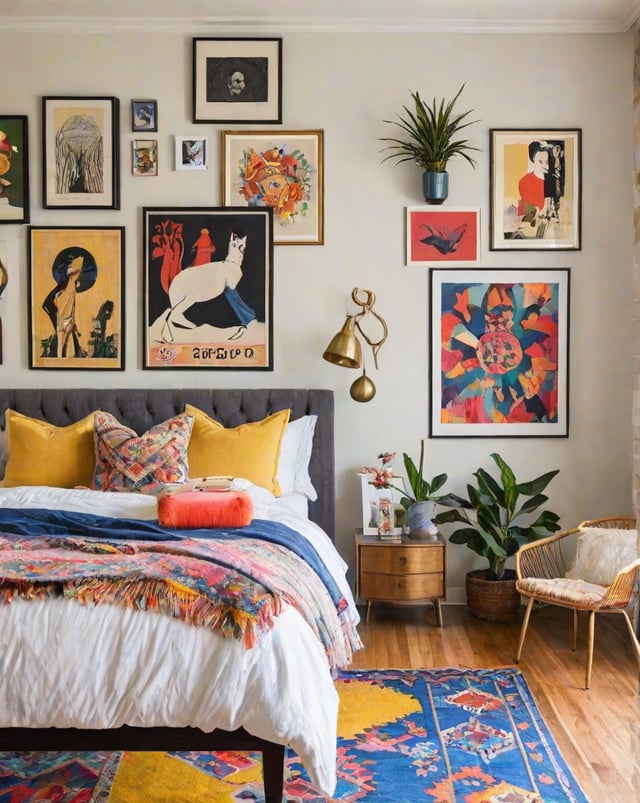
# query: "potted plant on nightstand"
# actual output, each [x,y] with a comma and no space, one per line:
[419,496]
[432,132]
[497,519]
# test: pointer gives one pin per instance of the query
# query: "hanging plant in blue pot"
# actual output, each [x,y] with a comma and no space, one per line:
[432,132]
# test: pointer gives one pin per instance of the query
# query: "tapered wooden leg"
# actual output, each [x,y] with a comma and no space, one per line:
[575,629]
[437,607]
[523,630]
[592,628]
[368,610]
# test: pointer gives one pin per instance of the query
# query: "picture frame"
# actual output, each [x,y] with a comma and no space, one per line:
[14,168]
[452,235]
[499,345]
[220,317]
[76,297]
[373,499]
[237,80]
[191,152]
[536,189]
[80,141]
[144,157]
[144,115]
[283,170]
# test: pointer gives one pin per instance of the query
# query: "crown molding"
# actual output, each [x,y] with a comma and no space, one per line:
[273,25]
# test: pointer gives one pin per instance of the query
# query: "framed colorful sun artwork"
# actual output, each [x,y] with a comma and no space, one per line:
[499,344]
[450,236]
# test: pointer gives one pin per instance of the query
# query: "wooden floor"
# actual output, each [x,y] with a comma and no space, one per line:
[597,731]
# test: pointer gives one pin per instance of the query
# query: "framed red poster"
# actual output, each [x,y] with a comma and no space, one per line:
[450,236]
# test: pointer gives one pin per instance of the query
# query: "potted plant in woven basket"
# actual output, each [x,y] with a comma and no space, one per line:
[497,519]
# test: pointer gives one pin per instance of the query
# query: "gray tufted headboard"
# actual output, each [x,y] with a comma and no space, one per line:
[142,408]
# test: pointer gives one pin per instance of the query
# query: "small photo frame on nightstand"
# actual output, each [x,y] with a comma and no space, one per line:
[382,513]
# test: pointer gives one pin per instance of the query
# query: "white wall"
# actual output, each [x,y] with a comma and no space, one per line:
[347,84]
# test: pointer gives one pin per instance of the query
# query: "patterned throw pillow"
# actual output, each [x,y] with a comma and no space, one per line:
[145,463]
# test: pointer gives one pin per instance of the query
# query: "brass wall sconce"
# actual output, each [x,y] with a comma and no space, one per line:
[346,350]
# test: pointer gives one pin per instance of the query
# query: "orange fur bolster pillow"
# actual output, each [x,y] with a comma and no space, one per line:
[203,509]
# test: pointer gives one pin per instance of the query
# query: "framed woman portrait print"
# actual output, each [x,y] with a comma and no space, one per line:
[536,189]
[14,168]
[76,297]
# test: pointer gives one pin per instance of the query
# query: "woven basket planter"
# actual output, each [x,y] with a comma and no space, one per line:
[494,600]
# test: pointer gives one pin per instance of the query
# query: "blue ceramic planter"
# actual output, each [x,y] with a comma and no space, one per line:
[435,187]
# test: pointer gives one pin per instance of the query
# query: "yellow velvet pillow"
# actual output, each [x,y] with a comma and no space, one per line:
[43,454]
[250,450]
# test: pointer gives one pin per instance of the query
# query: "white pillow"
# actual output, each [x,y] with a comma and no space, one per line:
[602,552]
[295,454]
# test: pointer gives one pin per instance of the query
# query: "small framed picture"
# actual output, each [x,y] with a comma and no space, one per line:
[382,513]
[282,170]
[191,153]
[145,157]
[144,115]
[536,189]
[14,169]
[80,138]
[237,80]
[449,236]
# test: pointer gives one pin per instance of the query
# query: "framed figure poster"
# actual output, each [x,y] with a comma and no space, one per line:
[14,168]
[80,153]
[499,347]
[208,288]
[76,297]
[536,189]
[282,170]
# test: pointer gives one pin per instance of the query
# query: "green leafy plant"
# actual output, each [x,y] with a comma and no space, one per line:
[497,515]
[431,130]
[417,488]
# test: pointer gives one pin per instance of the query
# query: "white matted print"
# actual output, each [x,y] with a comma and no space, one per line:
[192,152]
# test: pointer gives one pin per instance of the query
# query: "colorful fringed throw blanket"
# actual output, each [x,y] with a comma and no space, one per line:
[234,585]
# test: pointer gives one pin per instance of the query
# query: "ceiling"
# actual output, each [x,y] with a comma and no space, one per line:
[258,16]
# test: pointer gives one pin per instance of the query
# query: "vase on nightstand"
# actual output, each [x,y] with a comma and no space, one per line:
[420,520]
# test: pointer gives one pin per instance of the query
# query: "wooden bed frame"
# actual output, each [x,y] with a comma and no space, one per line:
[141,409]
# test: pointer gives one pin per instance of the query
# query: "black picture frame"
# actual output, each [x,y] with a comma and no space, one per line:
[80,152]
[237,80]
[144,115]
[14,168]
[222,316]
[76,292]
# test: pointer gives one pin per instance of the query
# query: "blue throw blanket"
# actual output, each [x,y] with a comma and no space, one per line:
[62,523]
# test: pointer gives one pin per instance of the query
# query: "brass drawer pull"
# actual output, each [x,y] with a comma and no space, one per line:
[402,560]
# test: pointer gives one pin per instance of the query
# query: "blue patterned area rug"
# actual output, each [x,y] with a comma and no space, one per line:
[469,736]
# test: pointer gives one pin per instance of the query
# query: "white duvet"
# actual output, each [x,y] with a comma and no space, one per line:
[64,664]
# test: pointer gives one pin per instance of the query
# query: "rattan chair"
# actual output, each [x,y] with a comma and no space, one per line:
[541,570]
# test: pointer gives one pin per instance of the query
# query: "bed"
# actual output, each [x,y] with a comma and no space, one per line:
[226,696]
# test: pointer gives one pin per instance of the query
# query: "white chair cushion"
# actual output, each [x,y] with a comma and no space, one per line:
[563,590]
[601,552]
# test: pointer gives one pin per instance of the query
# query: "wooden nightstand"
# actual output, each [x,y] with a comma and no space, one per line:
[406,573]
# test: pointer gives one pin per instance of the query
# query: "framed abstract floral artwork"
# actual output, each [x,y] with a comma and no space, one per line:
[499,344]
[536,189]
[279,170]
[80,137]
[208,288]
[14,168]
[76,297]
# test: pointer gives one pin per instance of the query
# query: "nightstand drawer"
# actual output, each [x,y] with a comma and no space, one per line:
[402,560]
[401,587]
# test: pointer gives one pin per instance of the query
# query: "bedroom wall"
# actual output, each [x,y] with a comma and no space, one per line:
[347,84]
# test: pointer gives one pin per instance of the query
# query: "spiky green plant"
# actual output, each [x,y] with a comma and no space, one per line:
[431,130]
[498,522]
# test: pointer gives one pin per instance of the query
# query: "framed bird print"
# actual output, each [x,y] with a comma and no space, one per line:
[76,297]
[448,236]
[80,153]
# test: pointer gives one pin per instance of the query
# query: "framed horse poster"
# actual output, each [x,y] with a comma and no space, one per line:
[208,288]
